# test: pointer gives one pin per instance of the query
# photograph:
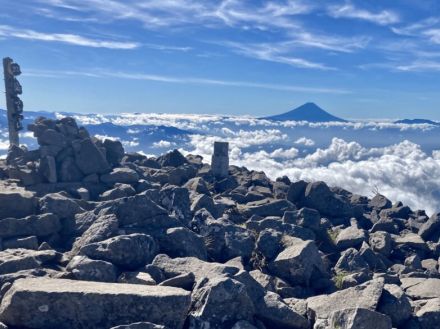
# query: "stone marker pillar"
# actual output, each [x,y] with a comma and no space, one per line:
[220,160]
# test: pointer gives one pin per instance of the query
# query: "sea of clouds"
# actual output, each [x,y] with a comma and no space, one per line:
[402,172]
[401,161]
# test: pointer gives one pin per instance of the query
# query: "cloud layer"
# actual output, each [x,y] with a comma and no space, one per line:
[402,172]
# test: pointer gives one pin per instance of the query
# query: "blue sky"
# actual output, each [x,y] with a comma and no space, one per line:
[357,59]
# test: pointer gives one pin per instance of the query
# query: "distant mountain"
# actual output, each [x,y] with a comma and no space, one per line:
[418,122]
[307,112]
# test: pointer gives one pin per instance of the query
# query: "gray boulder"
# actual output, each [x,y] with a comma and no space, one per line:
[305,217]
[366,295]
[219,303]
[120,175]
[172,267]
[184,281]
[60,205]
[318,196]
[17,202]
[358,318]
[52,137]
[114,151]
[126,251]
[351,261]
[296,191]
[298,263]
[421,288]
[89,158]
[349,237]
[58,303]
[431,229]
[83,268]
[203,201]
[380,202]
[267,207]
[103,228]
[276,314]
[172,159]
[428,315]
[14,260]
[69,171]
[48,169]
[28,242]
[395,304]
[198,185]
[269,243]
[182,242]
[141,211]
[38,225]
[381,242]
[119,191]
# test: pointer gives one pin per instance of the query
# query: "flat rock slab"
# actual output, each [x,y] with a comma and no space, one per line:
[366,296]
[16,201]
[61,303]
[14,260]
[421,288]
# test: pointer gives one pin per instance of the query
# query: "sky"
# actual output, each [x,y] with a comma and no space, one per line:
[356,59]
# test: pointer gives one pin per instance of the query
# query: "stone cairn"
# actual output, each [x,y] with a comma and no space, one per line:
[92,237]
[66,153]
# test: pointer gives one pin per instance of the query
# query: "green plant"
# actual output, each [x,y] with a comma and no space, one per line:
[338,279]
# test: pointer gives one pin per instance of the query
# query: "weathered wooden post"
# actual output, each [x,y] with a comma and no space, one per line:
[13,103]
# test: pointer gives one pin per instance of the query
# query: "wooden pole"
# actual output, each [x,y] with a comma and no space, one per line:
[13,118]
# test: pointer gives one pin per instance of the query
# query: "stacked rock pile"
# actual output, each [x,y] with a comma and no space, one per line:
[92,237]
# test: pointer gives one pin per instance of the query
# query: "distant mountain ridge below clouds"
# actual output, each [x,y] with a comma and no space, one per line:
[417,122]
[307,112]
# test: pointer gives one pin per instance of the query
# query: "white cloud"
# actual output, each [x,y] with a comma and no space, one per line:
[185,80]
[162,144]
[414,29]
[420,65]
[433,34]
[170,13]
[73,39]
[132,143]
[384,17]
[305,141]
[103,137]
[285,153]
[274,53]
[4,145]
[403,172]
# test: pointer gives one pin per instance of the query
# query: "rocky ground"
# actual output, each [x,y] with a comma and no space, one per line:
[92,237]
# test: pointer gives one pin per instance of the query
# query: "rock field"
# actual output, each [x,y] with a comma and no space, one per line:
[93,237]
